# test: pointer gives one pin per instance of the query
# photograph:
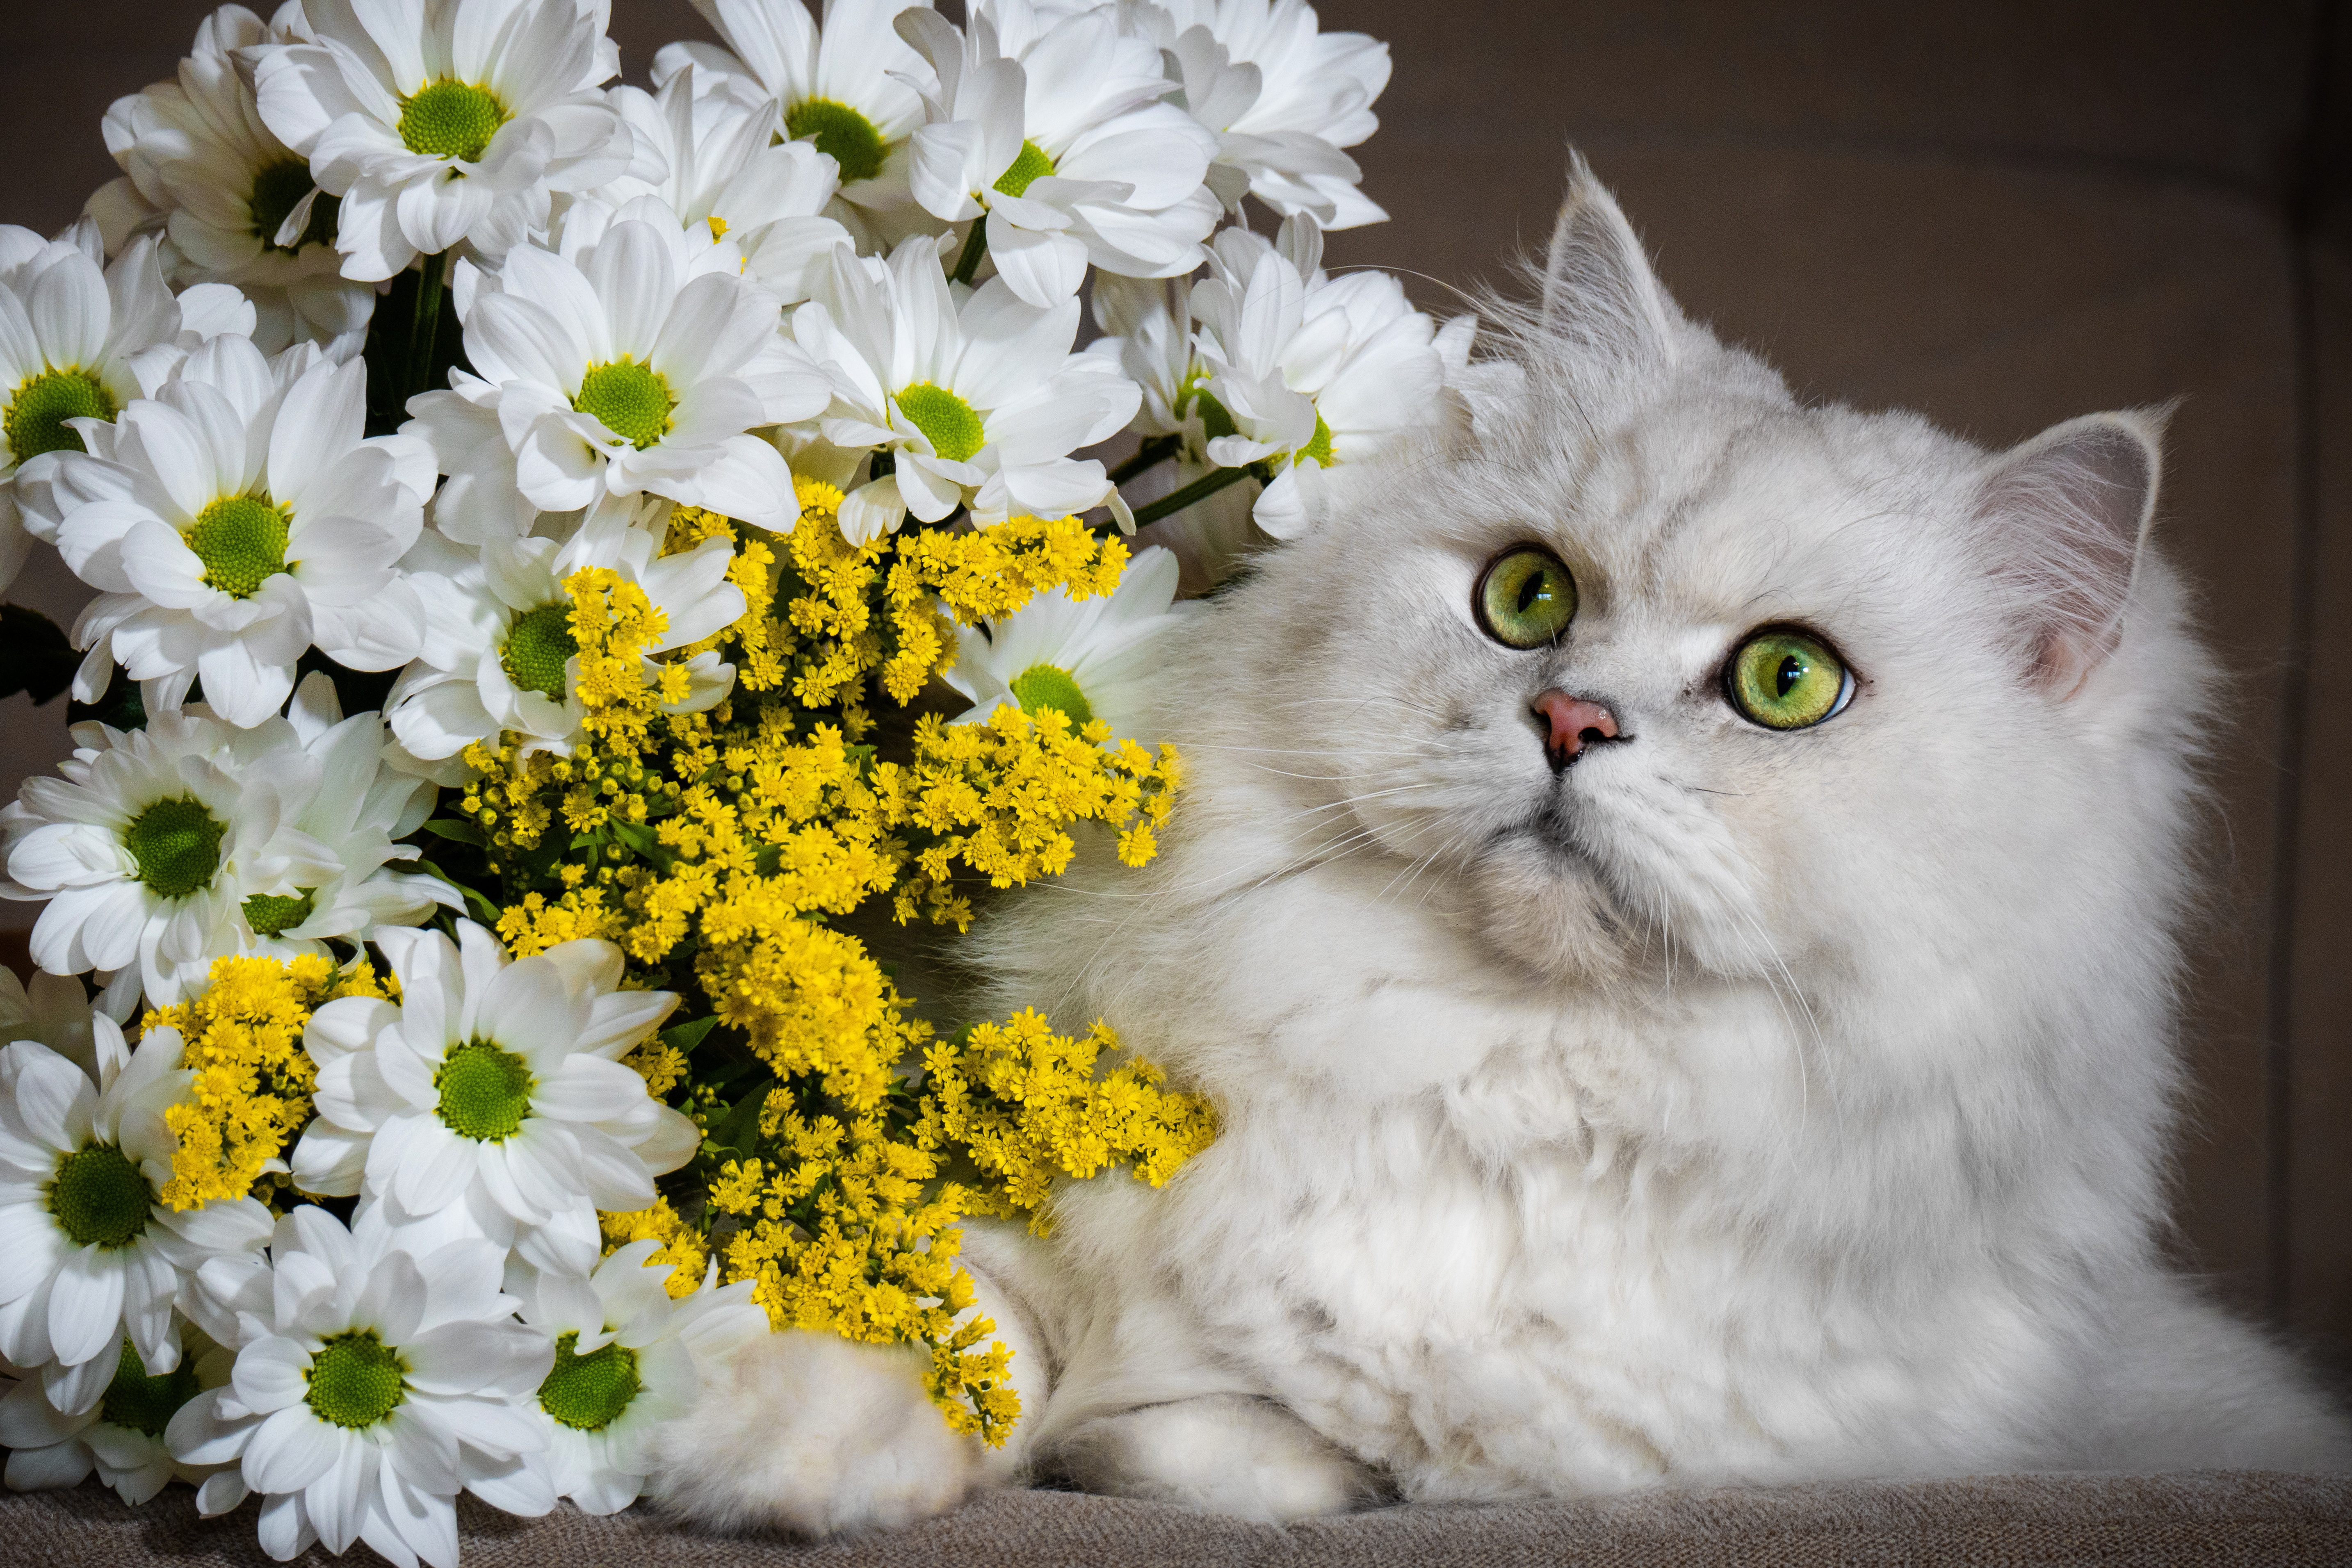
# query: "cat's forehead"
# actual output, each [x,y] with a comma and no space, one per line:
[1715,506]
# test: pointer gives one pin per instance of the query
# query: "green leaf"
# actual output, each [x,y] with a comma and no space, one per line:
[458,829]
[642,839]
[685,1037]
[739,1131]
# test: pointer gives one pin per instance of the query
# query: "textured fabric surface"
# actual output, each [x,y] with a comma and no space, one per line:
[2232,1517]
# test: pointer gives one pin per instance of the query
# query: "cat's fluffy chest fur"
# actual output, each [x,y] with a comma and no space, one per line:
[1493,1247]
[1622,1081]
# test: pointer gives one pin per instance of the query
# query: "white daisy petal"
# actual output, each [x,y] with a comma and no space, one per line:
[85,1305]
[285,1530]
[200,1435]
[65,1464]
[291,1449]
[271,1375]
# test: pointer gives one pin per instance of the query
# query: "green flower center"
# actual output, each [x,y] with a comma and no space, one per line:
[840,132]
[1318,448]
[241,540]
[177,845]
[1031,164]
[538,648]
[270,913]
[278,190]
[34,421]
[1050,687]
[588,1393]
[953,427]
[632,400]
[450,120]
[147,1403]
[485,1091]
[100,1197]
[355,1381]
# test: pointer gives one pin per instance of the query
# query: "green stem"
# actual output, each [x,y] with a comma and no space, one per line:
[975,245]
[1199,489]
[432,279]
[1151,454]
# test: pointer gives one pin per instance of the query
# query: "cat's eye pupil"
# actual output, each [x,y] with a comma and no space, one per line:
[1792,670]
[1538,586]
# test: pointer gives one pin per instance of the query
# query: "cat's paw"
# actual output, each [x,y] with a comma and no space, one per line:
[815,1436]
[1223,1454]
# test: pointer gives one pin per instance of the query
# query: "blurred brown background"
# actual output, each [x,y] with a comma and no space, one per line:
[2003,214]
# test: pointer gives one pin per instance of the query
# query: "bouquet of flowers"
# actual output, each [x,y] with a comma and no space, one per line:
[574,564]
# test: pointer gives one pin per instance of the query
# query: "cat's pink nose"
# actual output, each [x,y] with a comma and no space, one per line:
[1571,724]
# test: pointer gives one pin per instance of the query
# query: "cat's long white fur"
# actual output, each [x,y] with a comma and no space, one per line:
[1735,1106]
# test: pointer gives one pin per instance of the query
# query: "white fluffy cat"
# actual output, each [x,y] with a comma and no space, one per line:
[1646,1055]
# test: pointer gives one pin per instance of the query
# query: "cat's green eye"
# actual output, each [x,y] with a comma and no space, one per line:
[1787,679]
[1526,597]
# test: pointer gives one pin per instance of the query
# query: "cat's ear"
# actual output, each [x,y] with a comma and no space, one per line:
[2069,514]
[1601,297]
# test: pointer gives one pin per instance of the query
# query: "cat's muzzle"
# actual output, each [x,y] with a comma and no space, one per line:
[1571,725]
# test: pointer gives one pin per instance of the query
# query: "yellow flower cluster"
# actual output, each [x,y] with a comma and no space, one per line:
[847,1229]
[990,572]
[1027,1105]
[242,1036]
[681,1245]
[1000,797]
[718,849]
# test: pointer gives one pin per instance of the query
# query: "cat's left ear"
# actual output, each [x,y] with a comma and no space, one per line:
[2069,512]
[1601,298]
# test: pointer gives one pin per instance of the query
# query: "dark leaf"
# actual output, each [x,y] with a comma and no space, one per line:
[35,656]
[687,1036]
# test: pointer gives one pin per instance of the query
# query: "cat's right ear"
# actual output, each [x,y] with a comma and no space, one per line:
[2068,513]
[1601,298]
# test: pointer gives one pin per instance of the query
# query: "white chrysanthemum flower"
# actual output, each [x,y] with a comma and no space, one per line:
[499,652]
[1310,371]
[236,519]
[162,848]
[628,1357]
[729,174]
[840,89]
[87,1255]
[1086,659]
[359,809]
[1050,126]
[980,402]
[235,203]
[447,124]
[120,1437]
[1282,97]
[492,1077]
[617,372]
[1147,331]
[1146,327]
[78,343]
[371,1384]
